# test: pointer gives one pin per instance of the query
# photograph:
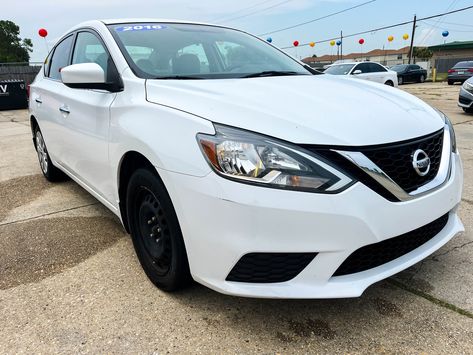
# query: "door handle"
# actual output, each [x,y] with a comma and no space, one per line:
[64,109]
[38,100]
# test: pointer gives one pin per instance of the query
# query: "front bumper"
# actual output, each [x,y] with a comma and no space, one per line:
[222,220]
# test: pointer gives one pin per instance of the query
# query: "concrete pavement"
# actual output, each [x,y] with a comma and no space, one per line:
[70,282]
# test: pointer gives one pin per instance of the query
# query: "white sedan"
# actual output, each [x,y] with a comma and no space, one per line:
[232,164]
[370,71]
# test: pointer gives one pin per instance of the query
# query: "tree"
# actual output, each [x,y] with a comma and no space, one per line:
[314,55]
[422,52]
[12,47]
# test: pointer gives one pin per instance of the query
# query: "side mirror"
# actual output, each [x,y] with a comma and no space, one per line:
[356,72]
[86,76]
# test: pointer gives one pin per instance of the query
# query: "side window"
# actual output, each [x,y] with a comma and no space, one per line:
[415,67]
[364,67]
[375,68]
[89,49]
[191,60]
[60,58]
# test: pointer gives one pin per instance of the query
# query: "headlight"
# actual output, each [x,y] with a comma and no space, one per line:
[256,159]
[453,139]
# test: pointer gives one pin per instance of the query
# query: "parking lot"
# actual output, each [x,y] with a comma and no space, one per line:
[70,282]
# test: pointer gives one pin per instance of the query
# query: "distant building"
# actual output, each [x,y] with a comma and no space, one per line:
[447,55]
[386,57]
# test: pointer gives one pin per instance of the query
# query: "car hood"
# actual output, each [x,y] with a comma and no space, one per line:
[320,109]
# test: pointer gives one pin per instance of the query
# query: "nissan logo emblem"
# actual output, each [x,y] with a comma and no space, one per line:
[421,162]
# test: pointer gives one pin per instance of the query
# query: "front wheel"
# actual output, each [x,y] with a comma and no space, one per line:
[389,83]
[421,79]
[155,231]
[400,80]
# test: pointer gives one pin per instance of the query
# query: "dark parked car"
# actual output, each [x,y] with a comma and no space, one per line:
[460,72]
[409,73]
[465,101]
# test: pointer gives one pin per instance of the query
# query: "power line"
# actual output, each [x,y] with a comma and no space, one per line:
[385,27]
[222,18]
[457,24]
[443,28]
[257,11]
[453,3]
[317,19]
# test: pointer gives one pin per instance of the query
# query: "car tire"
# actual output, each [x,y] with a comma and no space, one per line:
[155,231]
[468,109]
[389,83]
[421,79]
[450,82]
[50,172]
[400,80]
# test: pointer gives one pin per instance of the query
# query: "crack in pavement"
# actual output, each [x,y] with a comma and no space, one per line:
[47,214]
[430,298]
[435,257]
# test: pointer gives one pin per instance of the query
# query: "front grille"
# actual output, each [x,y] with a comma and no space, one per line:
[464,100]
[396,160]
[269,267]
[377,254]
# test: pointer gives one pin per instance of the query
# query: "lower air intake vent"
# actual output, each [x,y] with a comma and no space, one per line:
[269,267]
[377,254]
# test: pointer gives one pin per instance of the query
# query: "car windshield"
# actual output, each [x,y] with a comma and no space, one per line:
[399,68]
[189,51]
[340,69]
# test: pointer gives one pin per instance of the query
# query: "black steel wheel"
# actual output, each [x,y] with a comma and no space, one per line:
[155,230]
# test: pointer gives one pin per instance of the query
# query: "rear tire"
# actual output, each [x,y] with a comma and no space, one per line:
[50,172]
[450,82]
[155,231]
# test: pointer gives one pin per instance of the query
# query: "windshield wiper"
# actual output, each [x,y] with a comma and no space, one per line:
[179,77]
[272,73]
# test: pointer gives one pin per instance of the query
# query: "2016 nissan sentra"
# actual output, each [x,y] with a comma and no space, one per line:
[232,164]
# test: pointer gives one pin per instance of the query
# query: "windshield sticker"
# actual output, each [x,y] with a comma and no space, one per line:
[140,28]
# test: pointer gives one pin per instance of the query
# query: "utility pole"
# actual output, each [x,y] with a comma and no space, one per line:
[411,49]
[341,44]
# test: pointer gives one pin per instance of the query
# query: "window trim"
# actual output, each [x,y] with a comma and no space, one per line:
[53,51]
[73,46]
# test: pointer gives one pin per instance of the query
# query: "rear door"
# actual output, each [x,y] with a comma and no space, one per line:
[47,96]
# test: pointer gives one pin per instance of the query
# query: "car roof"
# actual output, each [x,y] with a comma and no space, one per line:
[100,23]
[366,61]
[141,20]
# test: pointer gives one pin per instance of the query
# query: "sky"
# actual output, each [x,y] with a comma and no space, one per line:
[257,17]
